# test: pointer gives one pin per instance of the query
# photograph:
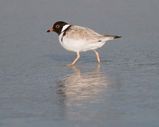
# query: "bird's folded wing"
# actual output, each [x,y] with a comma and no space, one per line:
[82,33]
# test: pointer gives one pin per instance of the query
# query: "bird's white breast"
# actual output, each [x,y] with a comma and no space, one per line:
[79,45]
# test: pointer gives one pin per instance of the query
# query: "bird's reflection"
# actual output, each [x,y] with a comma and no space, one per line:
[80,87]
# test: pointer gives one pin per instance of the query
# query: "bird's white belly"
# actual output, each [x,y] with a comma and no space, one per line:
[80,45]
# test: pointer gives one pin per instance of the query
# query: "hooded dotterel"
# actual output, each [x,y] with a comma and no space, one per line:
[79,39]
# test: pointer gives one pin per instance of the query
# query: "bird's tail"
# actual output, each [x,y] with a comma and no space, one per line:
[112,37]
[116,37]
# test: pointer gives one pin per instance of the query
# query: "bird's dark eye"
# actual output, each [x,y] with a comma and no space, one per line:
[57,26]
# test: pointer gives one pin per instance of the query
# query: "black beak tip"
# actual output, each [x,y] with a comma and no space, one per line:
[48,31]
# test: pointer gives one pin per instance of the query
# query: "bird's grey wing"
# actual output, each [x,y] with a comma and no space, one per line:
[78,32]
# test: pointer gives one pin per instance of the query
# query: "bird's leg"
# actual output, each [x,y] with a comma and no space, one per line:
[75,60]
[97,56]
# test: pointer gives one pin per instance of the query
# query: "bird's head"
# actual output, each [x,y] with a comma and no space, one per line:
[57,27]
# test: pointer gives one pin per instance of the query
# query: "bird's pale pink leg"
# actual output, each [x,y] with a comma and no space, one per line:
[97,56]
[75,60]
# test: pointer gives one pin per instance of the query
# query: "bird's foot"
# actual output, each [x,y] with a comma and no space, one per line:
[70,65]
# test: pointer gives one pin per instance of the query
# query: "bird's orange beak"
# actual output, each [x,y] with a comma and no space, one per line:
[50,30]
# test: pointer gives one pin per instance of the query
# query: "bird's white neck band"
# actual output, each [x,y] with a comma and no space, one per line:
[65,27]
